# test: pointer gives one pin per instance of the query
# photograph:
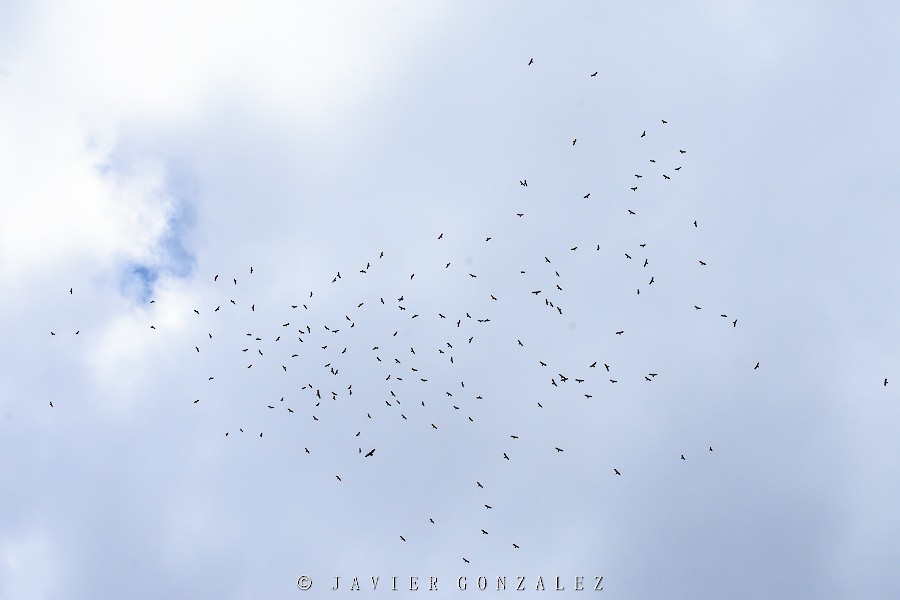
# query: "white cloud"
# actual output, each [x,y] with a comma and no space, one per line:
[88,76]
[29,566]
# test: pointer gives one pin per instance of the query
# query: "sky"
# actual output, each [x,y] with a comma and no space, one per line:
[174,425]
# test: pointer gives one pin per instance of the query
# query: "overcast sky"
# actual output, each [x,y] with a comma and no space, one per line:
[152,153]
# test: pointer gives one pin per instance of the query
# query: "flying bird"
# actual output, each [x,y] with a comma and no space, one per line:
[594,74]
[530,61]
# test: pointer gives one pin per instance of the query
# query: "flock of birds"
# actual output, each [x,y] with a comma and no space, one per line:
[324,361]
